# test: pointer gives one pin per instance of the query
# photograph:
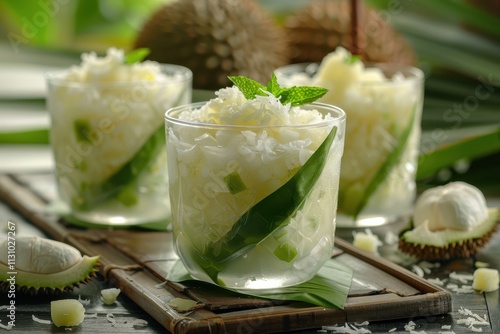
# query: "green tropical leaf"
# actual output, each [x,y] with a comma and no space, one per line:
[446,155]
[37,136]
[328,288]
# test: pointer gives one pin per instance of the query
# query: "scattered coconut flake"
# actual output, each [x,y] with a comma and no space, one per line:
[430,265]
[92,315]
[446,327]
[417,270]
[3,307]
[346,329]
[392,330]
[111,319]
[40,321]
[410,326]
[139,323]
[462,278]
[436,281]
[85,302]
[391,238]
[447,332]
[364,323]
[8,327]
[462,289]
[481,320]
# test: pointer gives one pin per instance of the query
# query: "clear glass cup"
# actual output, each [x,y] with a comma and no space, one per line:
[233,192]
[108,141]
[377,180]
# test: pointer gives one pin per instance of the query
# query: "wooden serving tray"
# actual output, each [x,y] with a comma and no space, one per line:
[138,261]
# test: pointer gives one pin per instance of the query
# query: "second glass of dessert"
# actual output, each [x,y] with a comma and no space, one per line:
[108,137]
[253,185]
[383,104]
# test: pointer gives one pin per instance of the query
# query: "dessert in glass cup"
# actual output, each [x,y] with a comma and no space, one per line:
[108,137]
[383,103]
[253,184]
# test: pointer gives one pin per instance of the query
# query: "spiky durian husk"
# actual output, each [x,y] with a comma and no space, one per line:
[29,284]
[215,38]
[458,250]
[323,25]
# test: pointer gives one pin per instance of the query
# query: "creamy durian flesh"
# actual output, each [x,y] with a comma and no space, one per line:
[450,221]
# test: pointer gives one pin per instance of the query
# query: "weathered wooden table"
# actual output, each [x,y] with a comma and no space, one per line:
[389,296]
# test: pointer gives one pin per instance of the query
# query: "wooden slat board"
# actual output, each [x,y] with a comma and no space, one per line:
[138,261]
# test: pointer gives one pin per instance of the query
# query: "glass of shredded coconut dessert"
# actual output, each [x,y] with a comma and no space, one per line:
[108,137]
[253,188]
[383,104]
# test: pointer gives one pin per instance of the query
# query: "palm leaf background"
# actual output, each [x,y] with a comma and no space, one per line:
[457,43]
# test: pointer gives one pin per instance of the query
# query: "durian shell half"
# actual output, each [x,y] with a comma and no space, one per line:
[446,244]
[32,264]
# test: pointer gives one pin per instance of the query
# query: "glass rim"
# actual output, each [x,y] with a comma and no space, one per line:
[410,73]
[54,77]
[339,117]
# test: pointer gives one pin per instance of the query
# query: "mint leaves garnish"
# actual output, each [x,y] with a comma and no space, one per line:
[137,55]
[296,95]
[352,59]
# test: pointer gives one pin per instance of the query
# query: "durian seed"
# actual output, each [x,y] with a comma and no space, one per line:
[485,280]
[67,312]
[109,296]
[366,241]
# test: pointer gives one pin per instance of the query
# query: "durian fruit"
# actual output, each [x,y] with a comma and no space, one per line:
[449,222]
[321,26]
[215,39]
[38,265]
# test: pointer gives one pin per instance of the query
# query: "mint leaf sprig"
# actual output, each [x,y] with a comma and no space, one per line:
[296,95]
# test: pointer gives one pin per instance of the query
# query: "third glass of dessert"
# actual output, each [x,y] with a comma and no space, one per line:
[383,104]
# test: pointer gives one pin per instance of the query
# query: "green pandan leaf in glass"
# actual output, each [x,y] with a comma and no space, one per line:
[82,129]
[93,194]
[268,215]
[380,176]
[137,55]
[124,179]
